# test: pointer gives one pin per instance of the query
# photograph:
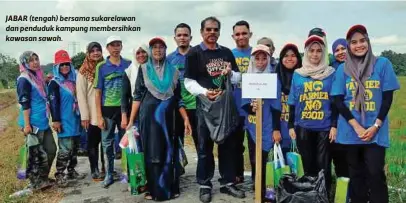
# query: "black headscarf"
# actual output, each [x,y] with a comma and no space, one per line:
[285,74]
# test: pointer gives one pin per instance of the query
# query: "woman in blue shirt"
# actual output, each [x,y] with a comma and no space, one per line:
[363,124]
[271,112]
[339,49]
[311,116]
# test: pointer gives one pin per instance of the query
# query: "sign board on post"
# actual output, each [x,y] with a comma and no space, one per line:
[259,86]
[262,85]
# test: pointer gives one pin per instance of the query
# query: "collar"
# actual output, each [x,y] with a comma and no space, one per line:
[108,62]
[203,46]
[178,53]
[249,49]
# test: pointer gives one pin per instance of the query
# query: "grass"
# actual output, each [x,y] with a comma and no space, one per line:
[11,140]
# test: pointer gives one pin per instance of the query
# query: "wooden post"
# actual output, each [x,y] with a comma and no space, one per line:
[258,153]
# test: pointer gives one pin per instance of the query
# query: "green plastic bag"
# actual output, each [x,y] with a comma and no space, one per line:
[137,172]
[124,178]
[294,160]
[275,168]
[22,163]
[342,190]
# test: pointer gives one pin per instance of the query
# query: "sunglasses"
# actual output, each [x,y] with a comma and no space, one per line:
[64,64]
[209,29]
[140,52]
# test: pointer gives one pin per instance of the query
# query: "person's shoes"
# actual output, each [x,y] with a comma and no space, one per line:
[61,181]
[233,191]
[96,176]
[239,180]
[205,195]
[73,175]
[108,180]
[82,152]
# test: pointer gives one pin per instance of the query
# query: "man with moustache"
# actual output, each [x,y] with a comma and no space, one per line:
[177,58]
[242,53]
[108,82]
[205,67]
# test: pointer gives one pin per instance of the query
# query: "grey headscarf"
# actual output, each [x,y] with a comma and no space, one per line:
[360,69]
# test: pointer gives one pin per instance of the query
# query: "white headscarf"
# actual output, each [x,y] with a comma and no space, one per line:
[132,71]
[252,68]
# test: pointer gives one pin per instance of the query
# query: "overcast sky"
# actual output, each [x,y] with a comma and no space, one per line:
[284,22]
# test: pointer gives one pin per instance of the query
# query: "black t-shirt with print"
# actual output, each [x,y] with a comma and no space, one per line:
[205,66]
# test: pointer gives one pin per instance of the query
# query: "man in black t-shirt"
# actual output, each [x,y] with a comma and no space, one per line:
[205,67]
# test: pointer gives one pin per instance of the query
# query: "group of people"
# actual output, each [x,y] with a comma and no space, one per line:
[335,109]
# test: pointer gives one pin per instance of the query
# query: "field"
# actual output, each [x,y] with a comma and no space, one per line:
[11,140]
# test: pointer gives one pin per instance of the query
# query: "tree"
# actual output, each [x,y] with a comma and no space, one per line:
[78,59]
[9,70]
[398,61]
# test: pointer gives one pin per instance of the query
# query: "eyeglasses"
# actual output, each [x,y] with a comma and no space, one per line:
[139,52]
[209,29]
[64,64]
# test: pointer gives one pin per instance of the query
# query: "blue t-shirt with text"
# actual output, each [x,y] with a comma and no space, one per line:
[242,58]
[383,78]
[312,102]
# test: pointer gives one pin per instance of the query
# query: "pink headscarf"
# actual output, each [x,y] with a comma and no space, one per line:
[37,77]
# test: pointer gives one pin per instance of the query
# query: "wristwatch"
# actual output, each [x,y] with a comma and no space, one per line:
[377,126]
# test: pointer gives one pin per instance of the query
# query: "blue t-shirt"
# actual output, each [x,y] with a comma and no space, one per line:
[242,58]
[284,121]
[109,78]
[383,78]
[312,102]
[267,128]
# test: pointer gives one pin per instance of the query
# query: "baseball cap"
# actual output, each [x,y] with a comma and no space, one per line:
[314,38]
[113,39]
[62,56]
[260,47]
[355,28]
[155,40]
[317,31]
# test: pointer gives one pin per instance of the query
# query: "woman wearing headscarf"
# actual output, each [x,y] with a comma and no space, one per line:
[289,61]
[86,99]
[65,117]
[311,114]
[33,120]
[157,95]
[338,151]
[271,112]
[339,49]
[129,78]
[363,91]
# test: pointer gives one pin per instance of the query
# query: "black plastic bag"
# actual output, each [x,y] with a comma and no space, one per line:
[221,115]
[303,190]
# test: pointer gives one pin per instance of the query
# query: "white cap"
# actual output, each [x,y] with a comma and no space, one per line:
[113,39]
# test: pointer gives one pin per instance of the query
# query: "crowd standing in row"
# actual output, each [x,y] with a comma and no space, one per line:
[335,109]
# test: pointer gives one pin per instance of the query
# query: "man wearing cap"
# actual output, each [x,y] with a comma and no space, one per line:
[65,117]
[269,43]
[206,66]
[108,82]
[177,59]
[242,53]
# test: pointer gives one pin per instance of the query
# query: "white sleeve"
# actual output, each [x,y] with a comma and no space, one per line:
[194,88]
[235,77]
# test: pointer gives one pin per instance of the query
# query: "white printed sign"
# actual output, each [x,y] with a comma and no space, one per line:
[259,85]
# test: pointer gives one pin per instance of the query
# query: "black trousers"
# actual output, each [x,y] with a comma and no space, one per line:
[314,147]
[180,127]
[94,139]
[339,158]
[239,148]
[205,163]
[251,149]
[367,175]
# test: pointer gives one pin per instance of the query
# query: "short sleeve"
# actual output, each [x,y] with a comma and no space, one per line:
[98,78]
[389,80]
[292,92]
[338,83]
[276,103]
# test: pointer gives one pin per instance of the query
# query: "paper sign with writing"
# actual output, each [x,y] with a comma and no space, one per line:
[263,85]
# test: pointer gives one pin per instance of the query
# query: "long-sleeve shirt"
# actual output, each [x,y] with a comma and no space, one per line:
[86,96]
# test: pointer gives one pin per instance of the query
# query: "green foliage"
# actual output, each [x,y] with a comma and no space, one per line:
[9,71]
[398,61]
[78,59]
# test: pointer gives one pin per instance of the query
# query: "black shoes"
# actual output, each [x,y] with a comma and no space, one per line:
[205,195]
[233,191]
